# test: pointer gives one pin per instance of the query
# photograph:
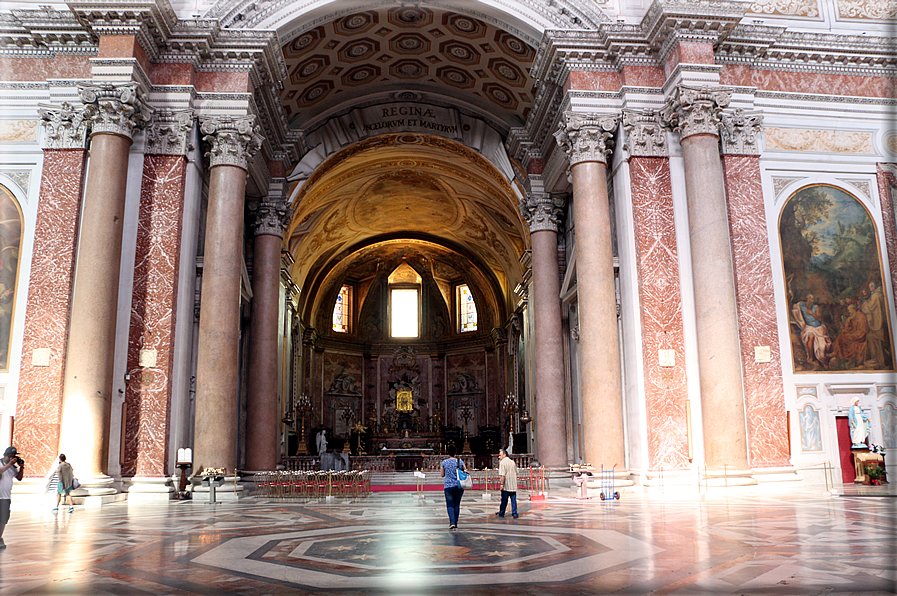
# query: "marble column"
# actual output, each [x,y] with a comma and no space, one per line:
[587,140]
[154,298]
[764,393]
[233,141]
[41,376]
[695,114]
[262,414]
[541,212]
[663,383]
[115,112]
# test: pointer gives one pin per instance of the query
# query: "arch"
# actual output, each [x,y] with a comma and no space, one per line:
[11,221]
[832,267]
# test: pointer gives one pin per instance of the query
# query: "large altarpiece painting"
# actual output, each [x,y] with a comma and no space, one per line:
[838,311]
[10,243]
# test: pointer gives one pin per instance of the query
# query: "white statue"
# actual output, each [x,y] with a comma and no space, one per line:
[510,443]
[321,440]
[859,424]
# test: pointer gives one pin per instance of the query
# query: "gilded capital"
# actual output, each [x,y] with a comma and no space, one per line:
[232,140]
[586,137]
[739,131]
[696,110]
[169,133]
[272,216]
[542,211]
[114,108]
[645,133]
[65,126]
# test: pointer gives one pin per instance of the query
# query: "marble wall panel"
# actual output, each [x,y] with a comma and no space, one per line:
[657,260]
[594,81]
[223,82]
[31,69]
[887,192]
[473,364]
[153,316]
[818,140]
[46,313]
[643,76]
[171,74]
[808,82]
[767,423]
[688,52]
[18,131]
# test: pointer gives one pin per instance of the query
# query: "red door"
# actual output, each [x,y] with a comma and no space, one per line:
[848,471]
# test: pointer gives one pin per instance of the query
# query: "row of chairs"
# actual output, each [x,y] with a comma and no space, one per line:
[298,484]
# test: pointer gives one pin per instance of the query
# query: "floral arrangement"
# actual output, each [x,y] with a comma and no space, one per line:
[876,448]
[876,475]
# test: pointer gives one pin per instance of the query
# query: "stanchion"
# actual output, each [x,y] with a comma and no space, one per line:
[538,484]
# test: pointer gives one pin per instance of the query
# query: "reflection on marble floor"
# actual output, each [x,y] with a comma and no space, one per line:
[800,542]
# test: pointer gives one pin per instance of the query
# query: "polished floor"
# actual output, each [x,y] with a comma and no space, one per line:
[789,542]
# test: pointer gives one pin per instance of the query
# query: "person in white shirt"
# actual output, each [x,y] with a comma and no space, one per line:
[507,472]
[11,466]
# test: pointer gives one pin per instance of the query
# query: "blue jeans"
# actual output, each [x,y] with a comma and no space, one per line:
[453,503]
[504,503]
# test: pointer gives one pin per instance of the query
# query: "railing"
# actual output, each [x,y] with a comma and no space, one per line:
[301,484]
[387,463]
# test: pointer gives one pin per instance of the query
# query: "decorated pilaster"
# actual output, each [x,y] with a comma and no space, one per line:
[694,112]
[541,212]
[39,402]
[153,322]
[664,382]
[263,415]
[587,140]
[232,141]
[115,112]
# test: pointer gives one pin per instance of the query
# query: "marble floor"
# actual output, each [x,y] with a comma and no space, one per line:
[788,542]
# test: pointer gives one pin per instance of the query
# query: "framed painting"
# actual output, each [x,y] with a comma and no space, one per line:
[837,310]
[10,243]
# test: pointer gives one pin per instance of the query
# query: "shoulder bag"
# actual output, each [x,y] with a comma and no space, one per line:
[464,479]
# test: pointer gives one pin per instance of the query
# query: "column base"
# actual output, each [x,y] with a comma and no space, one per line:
[727,478]
[230,490]
[148,488]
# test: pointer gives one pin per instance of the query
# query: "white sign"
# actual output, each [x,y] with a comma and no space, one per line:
[666,358]
[147,358]
[762,354]
[40,357]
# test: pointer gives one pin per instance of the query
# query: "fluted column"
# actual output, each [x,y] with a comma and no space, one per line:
[115,112]
[587,140]
[262,415]
[541,212]
[695,114]
[232,141]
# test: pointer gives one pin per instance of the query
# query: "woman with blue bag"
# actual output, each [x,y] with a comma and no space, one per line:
[453,470]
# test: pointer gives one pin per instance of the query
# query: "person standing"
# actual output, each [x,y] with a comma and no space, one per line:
[66,483]
[453,490]
[507,472]
[11,466]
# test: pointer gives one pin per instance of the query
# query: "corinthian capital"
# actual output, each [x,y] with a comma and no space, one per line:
[169,133]
[272,216]
[739,131]
[114,108]
[696,110]
[232,140]
[586,137]
[542,211]
[645,134]
[65,126]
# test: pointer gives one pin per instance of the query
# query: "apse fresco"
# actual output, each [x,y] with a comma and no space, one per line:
[837,309]
[10,242]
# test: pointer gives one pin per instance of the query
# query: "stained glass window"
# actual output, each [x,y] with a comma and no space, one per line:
[342,310]
[467,309]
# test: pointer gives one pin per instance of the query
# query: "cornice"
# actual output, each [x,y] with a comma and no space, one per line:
[668,22]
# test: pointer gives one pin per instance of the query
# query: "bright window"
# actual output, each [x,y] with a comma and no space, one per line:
[403,305]
[342,310]
[467,309]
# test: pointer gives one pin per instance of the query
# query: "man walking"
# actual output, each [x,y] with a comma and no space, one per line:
[11,466]
[507,472]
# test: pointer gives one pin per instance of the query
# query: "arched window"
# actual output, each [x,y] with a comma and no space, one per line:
[342,310]
[404,302]
[467,309]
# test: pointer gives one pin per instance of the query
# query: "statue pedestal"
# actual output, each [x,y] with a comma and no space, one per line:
[864,461]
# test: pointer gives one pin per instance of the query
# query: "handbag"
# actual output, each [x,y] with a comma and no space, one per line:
[464,479]
[75,484]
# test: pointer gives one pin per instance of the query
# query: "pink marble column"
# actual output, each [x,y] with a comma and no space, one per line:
[659,291]
[542,212]
[154,298]
[39,401]
[262,413]
[586,139]
[887,192]
[233,142]
[764,393]
[115,111]
[695,114]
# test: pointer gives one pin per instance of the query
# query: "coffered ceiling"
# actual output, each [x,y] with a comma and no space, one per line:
[452,58]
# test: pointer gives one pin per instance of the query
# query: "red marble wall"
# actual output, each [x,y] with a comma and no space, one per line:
[666,388]
[808,82]
[153,316]
[39,401]
[887,192]
[40,69]
[767,423]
